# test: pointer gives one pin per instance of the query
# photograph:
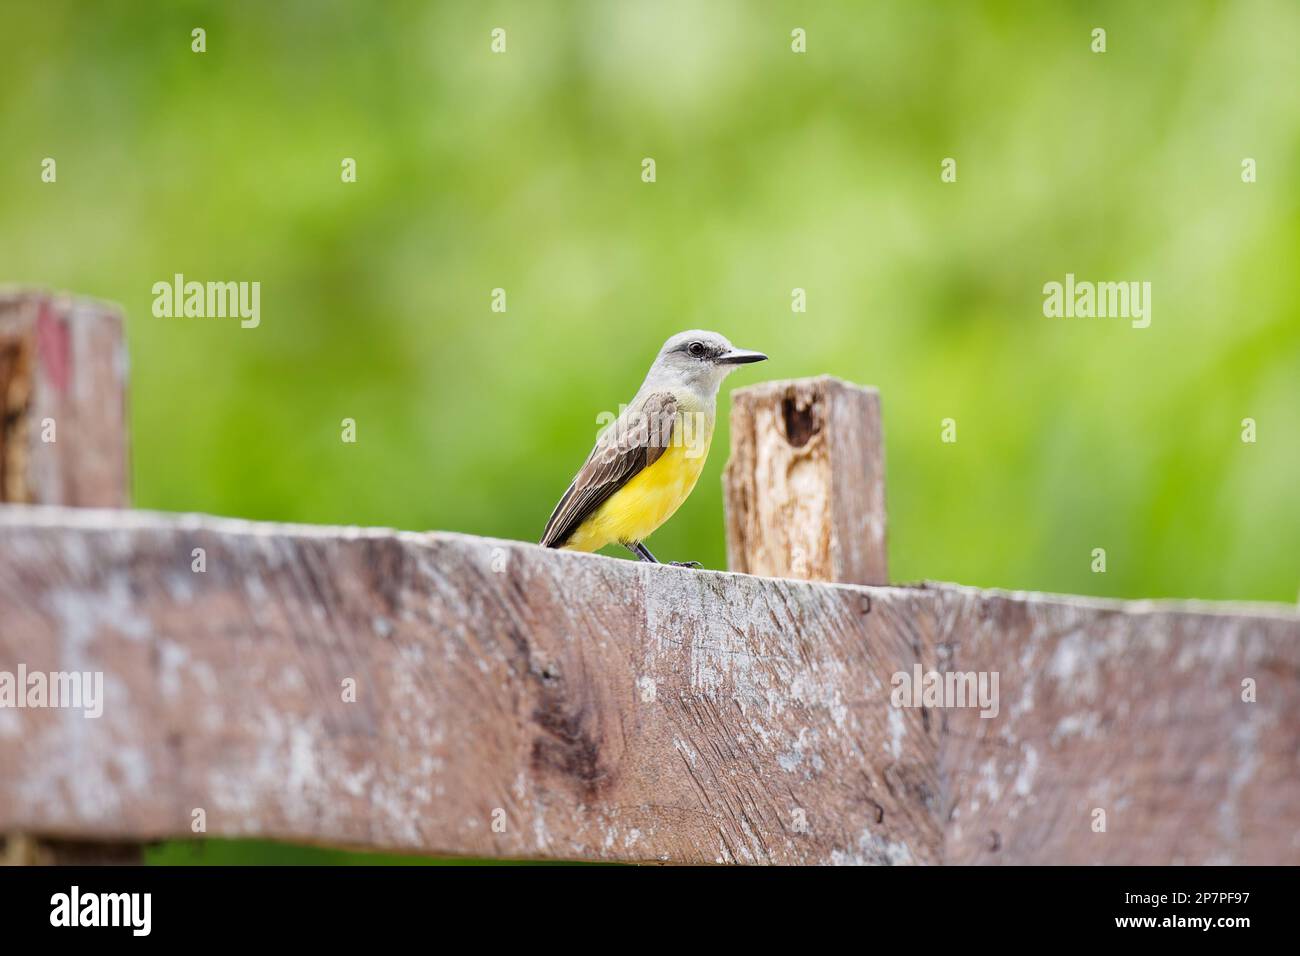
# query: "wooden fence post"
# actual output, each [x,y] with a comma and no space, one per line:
[63,441]
[62,402]
[805,483]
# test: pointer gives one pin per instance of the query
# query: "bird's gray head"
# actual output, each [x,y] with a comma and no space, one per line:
[698,360]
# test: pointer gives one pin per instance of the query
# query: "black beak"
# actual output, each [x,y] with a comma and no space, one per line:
[740,357]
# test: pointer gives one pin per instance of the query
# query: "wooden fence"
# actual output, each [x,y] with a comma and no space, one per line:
[446,694]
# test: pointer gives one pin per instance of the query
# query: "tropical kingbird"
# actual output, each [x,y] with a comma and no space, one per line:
[646,463]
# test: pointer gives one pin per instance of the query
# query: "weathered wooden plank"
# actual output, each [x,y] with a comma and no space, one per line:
[1124,715]
[63,432]
[805,483]
[614,710]
[592,708]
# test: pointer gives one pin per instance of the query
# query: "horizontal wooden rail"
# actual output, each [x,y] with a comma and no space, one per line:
[439,693]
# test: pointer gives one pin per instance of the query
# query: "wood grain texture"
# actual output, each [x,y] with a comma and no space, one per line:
[1135,709]
[613,710]
[62,360]
[805,484]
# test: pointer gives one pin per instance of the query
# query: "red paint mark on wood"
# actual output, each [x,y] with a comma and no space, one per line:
[53,347]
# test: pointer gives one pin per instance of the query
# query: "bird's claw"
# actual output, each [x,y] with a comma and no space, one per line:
[685,564]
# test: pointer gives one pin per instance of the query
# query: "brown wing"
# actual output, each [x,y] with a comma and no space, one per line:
[630,445]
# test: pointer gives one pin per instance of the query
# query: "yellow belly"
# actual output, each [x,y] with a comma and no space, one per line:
[645,502]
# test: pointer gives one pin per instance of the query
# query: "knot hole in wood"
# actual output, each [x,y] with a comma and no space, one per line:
[802,418]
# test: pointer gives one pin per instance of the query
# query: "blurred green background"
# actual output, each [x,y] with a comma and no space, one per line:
[775,170]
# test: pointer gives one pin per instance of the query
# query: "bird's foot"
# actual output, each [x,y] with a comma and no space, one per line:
[643,554]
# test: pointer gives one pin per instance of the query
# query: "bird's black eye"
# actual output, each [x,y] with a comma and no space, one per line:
[696,349]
